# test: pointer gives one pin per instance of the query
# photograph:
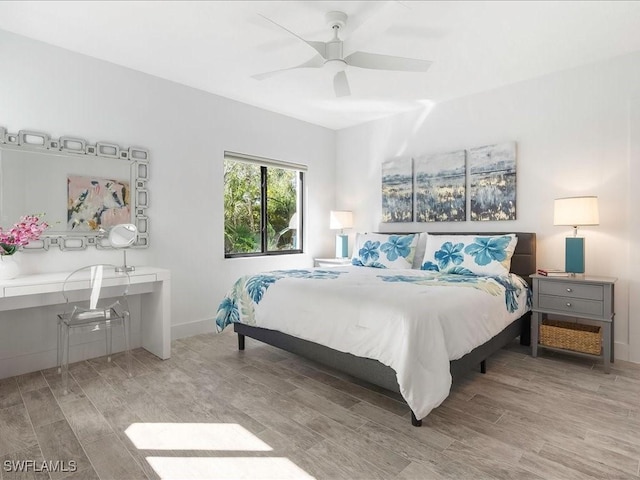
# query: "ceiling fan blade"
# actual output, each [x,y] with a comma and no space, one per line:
[341,84]
[319,47]
[316,62]
[369,21]
[376,61]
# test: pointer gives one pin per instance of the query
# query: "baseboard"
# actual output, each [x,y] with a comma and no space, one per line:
[621,351]
[30,362]
[196,327]
[48,358]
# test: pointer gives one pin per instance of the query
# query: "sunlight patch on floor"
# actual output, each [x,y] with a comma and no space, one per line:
[194,436]
[217,468]
[209,437]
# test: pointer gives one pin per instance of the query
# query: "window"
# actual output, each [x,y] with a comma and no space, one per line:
[262,206]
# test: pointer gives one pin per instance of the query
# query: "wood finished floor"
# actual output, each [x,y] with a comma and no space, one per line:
[554,417]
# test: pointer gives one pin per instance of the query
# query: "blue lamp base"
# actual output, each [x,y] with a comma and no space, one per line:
[574,255]
[342,246]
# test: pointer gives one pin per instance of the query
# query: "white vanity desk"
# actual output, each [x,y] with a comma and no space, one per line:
[153,285]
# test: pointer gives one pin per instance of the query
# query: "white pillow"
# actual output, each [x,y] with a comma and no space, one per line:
[470,254]
[384,250]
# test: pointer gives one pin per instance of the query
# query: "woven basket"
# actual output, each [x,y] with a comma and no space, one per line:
[571,336]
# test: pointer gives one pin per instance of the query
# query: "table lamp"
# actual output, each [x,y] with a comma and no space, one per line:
[339,220]
[575,212]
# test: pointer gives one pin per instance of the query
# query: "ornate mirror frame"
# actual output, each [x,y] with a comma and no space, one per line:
[136,158]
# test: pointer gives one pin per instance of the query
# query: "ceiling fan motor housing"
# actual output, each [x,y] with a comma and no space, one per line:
[334,53]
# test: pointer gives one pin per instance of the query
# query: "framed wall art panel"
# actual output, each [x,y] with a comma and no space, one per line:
[441,187]
[492,182]
[397,190]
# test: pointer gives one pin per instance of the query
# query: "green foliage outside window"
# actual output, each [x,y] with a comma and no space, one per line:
[244,198]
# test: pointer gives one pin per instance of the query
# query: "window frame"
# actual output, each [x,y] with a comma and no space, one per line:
[264,165]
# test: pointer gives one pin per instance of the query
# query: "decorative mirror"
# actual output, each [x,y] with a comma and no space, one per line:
[123,236]
[83,190]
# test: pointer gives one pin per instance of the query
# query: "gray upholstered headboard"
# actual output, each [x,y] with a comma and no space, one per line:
[523,262]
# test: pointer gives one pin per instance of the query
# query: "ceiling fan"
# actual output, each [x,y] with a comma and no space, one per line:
[330,56]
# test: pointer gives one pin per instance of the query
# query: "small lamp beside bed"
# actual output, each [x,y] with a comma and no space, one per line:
[575,212]
[339,220]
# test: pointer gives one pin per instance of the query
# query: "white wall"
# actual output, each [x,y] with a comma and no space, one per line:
[45,88]
[577,131]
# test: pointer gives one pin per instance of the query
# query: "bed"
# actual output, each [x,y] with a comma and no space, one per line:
[382,342]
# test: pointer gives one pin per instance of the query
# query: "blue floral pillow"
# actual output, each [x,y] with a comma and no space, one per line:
[469,254]
[384,251]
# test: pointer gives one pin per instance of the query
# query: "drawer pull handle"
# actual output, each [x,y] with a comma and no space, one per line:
[569,290]
[568,304]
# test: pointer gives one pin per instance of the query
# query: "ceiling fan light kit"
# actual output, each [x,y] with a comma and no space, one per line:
[330,57]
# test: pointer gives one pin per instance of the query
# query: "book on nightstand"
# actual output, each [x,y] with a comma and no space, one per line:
[552,272]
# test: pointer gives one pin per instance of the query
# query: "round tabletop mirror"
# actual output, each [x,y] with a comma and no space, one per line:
[123,235]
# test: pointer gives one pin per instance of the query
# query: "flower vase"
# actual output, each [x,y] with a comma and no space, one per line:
[8,267]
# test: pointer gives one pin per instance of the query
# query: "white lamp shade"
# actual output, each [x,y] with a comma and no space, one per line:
[339,219]
[576,211]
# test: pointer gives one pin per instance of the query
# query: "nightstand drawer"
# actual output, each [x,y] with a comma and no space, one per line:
[572,306]
[571,289]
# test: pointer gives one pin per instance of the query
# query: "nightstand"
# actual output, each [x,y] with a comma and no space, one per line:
[331,262]
[585,299]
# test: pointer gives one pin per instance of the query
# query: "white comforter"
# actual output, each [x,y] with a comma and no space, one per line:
[414,321]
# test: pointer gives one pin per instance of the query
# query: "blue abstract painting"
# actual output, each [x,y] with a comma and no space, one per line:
[397,190]
[493,182]
[441,187]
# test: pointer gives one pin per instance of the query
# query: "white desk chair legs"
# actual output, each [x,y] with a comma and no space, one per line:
[96,300]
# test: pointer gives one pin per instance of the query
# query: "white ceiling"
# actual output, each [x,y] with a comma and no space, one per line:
[217,46]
